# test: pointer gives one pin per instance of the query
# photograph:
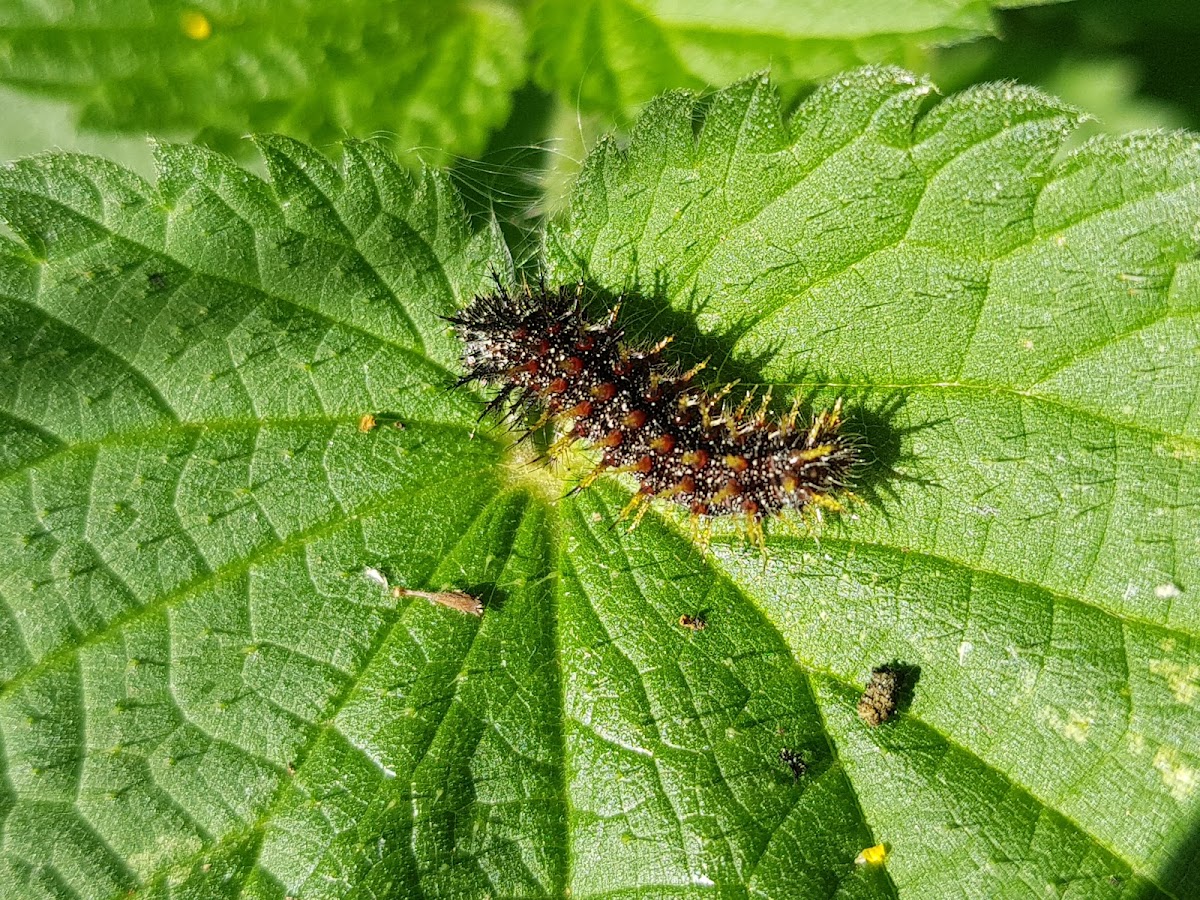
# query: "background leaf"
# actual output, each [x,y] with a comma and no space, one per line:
[1128,64]
[611,56]
[436,76]
[203,695]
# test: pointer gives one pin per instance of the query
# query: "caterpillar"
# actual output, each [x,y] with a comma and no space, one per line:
[683,443]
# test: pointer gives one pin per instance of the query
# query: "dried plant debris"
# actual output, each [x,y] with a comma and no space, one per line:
[370,421]
[693,623]
[879,701]
[457,600]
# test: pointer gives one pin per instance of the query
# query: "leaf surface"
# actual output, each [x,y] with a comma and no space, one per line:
[207,693]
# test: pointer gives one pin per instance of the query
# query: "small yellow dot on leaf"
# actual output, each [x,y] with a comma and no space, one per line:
[196,25]
[872,856]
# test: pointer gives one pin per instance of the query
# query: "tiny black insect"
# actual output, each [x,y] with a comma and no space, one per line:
[792,760]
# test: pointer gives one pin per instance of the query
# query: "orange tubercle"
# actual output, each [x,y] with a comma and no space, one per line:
[613,439]
[737,463]
[580,410]
[664,443]
[731,489]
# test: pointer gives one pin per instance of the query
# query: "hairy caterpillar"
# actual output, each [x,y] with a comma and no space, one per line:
[647,417]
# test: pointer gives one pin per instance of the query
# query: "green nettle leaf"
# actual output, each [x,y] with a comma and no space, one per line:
[207,690]
[438,76]
[613,55]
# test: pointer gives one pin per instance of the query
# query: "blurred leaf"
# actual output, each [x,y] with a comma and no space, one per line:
[206,693]
[34,125]
[436,76]
[1109,90]
[610,56]
[1132,65]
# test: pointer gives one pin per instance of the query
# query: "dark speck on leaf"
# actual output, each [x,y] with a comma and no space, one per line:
[792,760]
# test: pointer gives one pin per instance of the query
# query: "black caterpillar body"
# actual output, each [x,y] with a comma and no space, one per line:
[647,417]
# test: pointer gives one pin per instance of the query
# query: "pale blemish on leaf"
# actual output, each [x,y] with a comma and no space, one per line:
[1168,591]
[1181,451]
[1183,680]
[1180,778]
[376,577]
[1027,672]
[964,650]
[1072,727]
